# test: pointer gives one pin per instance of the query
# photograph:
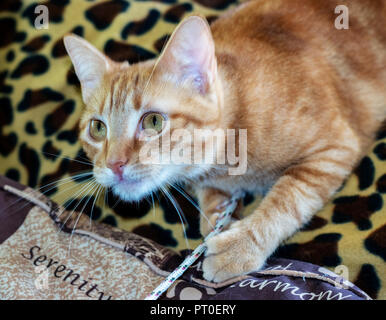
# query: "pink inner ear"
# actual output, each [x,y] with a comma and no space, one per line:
[190,54]
[195,65]
[200,83]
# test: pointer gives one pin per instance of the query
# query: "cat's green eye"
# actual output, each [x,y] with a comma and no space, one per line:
[97,130]
[154,121]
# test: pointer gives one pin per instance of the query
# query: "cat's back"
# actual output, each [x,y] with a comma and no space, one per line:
[283,46]
[296,24]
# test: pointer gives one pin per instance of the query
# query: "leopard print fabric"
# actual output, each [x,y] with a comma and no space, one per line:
[40,104]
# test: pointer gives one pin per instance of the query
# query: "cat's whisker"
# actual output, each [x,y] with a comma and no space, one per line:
[147,200]
[81,192]
[177,204]
[62,182]
[69,216]
[100,188]
[170,197]
[156,194]
[95,187]
[66,206]
[152,200]
[184,194]
[116,203]
[89,180]
[106,198]
[89,163]
[152,72]
[193,204]
[148,80]
[76,176]
[61,191]
[84,158]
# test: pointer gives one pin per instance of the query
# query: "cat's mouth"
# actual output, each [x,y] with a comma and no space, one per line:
[130,182]
[129,186]
[132,189]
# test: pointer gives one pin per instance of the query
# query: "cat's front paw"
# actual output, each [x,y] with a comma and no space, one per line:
[232,253]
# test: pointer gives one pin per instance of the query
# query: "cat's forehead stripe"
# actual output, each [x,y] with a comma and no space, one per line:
[137,94]
[121,87]
[122,91]
[112,89]
[102,104]
[119,92]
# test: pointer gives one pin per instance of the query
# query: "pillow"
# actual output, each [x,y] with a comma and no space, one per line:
[51,253]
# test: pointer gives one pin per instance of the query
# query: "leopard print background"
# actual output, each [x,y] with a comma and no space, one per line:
[40,104]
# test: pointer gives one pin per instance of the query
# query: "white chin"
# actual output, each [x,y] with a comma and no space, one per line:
[131,192]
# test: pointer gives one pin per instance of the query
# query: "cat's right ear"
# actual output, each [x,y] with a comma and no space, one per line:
[190,54]
[89,63]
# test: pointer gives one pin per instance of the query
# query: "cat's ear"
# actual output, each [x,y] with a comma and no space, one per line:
[190,54]
[89,63]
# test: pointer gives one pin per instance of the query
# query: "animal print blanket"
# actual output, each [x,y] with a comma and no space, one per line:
[40,104]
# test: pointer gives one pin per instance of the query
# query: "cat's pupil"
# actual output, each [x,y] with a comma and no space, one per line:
[99,126]
[154,121]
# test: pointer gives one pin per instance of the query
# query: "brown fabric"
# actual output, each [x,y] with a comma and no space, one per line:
[72,268]
[38,261]
[13,209]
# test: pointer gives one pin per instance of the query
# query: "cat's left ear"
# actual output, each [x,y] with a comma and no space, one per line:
[190,54]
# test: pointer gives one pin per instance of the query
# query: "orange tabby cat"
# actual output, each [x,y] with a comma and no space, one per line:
[311,97]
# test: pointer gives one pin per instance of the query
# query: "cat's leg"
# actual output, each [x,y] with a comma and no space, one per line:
[212,203]
[299,193]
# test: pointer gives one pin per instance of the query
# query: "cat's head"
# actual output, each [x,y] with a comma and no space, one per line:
[130,108]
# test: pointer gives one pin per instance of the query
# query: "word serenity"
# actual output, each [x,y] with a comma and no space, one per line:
[66,274]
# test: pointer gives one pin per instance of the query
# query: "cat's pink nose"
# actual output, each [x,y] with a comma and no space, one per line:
[117,166]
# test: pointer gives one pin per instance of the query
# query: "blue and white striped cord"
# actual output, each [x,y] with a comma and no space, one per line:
[221,222]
